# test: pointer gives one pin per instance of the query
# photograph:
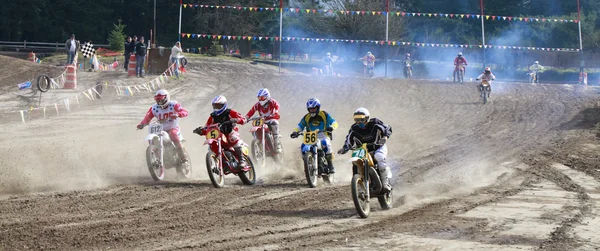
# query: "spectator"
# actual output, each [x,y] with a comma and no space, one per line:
[128,51]
[175,55]
[140,57]
[72,46]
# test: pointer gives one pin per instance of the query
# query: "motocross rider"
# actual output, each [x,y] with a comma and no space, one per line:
[488,76]
[268,108]
[375,133]
[321,120]
[407,60]
[328,60]
[458,62]
[537,68]
[227,118]
[167,112]
[370,58]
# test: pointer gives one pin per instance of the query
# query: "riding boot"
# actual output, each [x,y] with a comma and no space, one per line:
[182,155]
[385,180]
[277,141]
[240,156]
[330,168]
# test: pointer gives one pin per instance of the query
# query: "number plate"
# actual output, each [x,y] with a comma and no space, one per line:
[258,122]
[310,138]
[155,129]
[213,134]
[359,153]
[485,83]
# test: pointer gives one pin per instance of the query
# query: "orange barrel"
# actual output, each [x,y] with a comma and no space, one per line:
[71,80]
[131,67]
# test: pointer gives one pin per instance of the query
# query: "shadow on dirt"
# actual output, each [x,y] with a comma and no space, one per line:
[309,213]
[586,119]
[176,184]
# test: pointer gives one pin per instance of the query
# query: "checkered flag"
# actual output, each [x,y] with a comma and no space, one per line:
[88,50]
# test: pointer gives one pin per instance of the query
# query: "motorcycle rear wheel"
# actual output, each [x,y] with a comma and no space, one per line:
[386,200]
[361,204]
[248,177]
[185,171]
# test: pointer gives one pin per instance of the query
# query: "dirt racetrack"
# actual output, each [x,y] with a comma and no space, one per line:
[520,173]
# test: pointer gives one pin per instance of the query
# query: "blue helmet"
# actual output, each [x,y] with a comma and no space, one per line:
[313,103]
[219,104]
[263,96]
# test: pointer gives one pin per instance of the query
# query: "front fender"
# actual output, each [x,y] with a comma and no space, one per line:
[210,141]
[308,148]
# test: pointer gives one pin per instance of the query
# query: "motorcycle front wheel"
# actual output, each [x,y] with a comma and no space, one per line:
[310,165]
[257,152]
[212,166]
[359,196]
[156,171]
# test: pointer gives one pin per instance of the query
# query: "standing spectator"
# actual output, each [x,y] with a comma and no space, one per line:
[140,57]
[175,55]
[72,46]
[128,51]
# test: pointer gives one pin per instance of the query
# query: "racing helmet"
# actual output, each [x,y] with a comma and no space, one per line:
[315,105]
[162,98]
[263,96]
[361,117]
[219,104]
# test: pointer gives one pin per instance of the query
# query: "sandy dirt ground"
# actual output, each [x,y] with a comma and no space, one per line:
[519,173]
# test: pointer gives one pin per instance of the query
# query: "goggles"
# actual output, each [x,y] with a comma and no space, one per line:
[218,106]
[262,98]
[360,119]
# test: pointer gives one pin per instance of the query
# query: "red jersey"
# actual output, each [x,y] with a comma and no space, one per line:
[460,61]
[270,111]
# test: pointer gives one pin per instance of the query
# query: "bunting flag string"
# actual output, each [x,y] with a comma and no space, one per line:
[93,94]
[378,42]
[379,13]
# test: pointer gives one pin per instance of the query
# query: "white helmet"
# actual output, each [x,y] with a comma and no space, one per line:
[361,116]
[219,104]
[537,62]
[162,98]
[263,96]
[369,53]
[460,54]
[328,54]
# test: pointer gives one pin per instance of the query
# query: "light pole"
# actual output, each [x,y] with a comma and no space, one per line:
[581,62]
[154,31]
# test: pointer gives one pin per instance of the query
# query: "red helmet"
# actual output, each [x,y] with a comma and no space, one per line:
[162,98]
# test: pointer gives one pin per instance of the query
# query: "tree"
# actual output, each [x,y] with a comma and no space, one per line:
[116,39]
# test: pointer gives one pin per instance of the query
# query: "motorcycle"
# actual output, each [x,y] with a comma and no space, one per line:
[368,68]
[407,70]
[366,181]
[484,91]
[314,159]
[533,77]
[162,154]
[222,161]
[263,143]
[460,73]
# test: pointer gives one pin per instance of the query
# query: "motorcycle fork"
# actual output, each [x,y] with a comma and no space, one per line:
[220,158]
[161,151]
[366,177]
[263,141]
